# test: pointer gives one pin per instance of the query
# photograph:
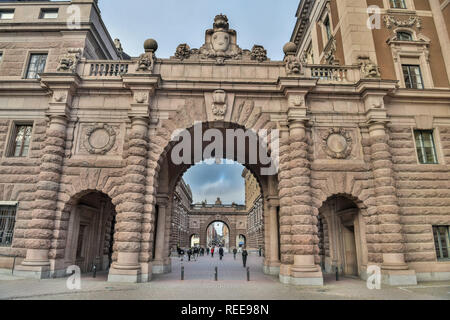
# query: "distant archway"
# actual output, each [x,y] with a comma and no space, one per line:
[241,241]
[194,240]
[218,235]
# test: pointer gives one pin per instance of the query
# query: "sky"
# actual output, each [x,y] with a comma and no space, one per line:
[171,22]
[208,182]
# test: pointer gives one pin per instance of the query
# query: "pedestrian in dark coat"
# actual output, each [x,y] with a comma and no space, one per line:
[208,251]
[189,253]
[196,252]
[244,256]
[221,253]
[234,253]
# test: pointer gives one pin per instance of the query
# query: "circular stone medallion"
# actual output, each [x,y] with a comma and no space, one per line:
[99,139]
[337,143]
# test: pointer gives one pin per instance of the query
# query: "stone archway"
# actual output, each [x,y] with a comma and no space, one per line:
[227,237]
[218,218]
[170,173]
[343,245]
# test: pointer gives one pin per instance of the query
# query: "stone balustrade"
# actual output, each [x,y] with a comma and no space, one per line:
[331,74]
[105,68]
[325,73]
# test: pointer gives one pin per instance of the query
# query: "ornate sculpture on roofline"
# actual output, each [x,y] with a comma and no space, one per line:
[220,45]
[220,42]
[69,61]
[259,53]
[146,61]
[293,64]
[183,51]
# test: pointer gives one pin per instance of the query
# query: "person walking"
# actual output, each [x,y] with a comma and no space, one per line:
[189,253]
[221,253]
[234,253]
[244,256]
[212,252]
[195,253]
[208,251]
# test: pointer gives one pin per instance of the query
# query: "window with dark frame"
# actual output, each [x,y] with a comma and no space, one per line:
[327,25]
[36,65]
[404,36]
[398,4]
[442,242]
[426,148]
[7,14]
[413,76]
[21,137]
[48,14]
[7,222]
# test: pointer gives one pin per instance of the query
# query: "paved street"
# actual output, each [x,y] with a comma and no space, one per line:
[199,284]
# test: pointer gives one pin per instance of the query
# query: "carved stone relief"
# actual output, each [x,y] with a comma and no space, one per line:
[98,139]
[220,45]
[337,143]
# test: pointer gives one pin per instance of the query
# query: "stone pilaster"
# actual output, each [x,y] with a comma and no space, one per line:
[389,237]
[40,229]
[39,234]
[161,263]
[304,231]
[272,265]
[130,206]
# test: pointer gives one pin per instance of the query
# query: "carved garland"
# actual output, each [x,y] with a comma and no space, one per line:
[337,143]
[412,21]
[99,150]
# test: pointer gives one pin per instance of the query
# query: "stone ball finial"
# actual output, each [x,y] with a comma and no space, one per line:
[150,45]
[290,48]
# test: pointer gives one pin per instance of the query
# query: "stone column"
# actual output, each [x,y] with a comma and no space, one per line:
[160,262]
[389,237]
[40,229]
[304,230]
[273,265]
[130,206]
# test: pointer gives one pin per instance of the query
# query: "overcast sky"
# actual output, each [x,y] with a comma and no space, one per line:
[265,22]
[170,22]
[218,180]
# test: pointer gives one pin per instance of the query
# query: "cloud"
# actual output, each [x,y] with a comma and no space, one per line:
[217,180]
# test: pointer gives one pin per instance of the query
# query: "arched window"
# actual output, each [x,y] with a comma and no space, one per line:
[404,36]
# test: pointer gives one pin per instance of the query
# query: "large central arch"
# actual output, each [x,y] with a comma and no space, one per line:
[169,174]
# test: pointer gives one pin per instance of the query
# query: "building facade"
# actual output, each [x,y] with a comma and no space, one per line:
[254,204]
[364,140]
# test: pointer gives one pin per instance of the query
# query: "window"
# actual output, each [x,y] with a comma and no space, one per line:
[36,65]
[48,14]
[413,76]
[1,57]
[21,140]
[426,149]
[398,4]
[7,221]
[442,242]
[404,36]
[6,14]
[327,25]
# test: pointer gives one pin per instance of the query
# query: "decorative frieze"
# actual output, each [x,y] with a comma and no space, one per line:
[412,21]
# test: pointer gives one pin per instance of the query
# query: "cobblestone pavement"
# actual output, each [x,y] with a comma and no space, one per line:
[199,284]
